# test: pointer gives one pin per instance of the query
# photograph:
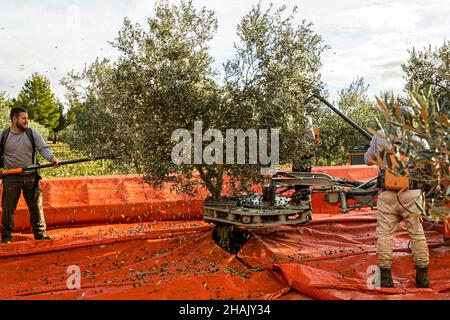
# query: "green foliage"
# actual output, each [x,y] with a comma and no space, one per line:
[93,124]
[36,96]
[63,152]
[427,67]
[272,77]
[5,121]
[43,131]
[163,81]
[337,137]
[5,108]
[430,121]
[427,75]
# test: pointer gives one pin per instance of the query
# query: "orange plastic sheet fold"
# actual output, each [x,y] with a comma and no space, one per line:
[114,199]
[130,241]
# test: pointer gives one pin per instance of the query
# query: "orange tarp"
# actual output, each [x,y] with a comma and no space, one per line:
[115,199]
[130,241]
[127,199]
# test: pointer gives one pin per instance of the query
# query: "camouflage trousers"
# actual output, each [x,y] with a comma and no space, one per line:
[13,185]
[390,213]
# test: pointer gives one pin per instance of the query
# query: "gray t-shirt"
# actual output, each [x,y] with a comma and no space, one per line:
[18,151]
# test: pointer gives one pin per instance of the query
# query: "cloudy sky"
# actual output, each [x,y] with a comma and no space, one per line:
[368,38]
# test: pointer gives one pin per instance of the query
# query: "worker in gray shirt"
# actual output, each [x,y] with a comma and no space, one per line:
[17,150]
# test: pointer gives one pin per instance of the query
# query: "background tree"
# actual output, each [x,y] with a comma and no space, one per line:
[427,68]
[337,137]
[5,108]
[36,96]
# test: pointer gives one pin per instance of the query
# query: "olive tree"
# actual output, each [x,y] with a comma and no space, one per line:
[163,82]
[270,81]
[428,67]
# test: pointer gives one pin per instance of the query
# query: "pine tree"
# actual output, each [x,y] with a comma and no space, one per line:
[36,96]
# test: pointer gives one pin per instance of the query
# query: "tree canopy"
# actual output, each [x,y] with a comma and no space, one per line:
[5,108]
[36,96]
[427,68]
[164,81]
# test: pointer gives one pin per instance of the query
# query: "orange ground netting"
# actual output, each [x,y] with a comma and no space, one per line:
[134,242]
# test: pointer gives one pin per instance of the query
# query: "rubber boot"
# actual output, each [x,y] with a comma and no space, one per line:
[386,278]
[6,239]
[422,277]
[42,236]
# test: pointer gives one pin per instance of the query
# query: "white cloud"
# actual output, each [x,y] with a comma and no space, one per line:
[376,18]
[372,39]
[369,38]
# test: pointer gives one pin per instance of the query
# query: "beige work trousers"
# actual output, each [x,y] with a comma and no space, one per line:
[390,213]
